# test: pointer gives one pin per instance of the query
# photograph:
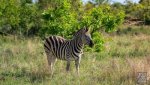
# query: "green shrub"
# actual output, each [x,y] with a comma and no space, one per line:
[23,18]
[62,20]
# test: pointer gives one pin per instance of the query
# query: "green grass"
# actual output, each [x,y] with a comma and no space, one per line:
[23,62]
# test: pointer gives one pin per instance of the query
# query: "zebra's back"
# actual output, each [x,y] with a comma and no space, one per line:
[54,44]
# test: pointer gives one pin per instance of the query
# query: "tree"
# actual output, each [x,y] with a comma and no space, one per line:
[145,14]
[18,16]
[59,20]
[26,1]
[29,19]
[9,15]
[145,2]
[64,20]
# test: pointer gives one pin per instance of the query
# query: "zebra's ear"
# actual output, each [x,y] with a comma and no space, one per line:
[86,29]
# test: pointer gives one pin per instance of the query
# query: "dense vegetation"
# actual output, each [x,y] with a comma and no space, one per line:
[64,17]
[24,18]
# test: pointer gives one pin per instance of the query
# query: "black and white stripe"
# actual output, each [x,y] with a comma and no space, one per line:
[57,47]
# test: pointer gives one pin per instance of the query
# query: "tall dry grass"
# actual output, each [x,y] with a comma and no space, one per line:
[23,62]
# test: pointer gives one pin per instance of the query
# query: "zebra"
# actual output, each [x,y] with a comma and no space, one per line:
[57,47]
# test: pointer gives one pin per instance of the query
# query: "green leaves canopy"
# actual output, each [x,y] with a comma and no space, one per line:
[58,17]
[63,21]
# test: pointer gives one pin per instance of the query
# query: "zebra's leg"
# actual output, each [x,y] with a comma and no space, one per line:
[77,63]
[51,60]
[68,66]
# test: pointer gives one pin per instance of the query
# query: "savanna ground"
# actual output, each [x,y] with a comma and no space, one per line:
[127,52]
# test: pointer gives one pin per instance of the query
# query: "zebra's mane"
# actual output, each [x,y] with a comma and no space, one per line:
[79,32]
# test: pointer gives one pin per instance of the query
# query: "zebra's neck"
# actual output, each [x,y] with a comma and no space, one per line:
[77,43]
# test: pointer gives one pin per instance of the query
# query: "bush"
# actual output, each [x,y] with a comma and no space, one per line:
[23,18]
[63,21]
[20,16]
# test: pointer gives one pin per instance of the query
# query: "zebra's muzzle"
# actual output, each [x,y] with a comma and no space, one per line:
[91,44]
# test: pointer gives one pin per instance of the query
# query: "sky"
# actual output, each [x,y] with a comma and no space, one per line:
[121,1]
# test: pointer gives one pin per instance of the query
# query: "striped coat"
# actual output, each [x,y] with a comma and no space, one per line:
[57,47]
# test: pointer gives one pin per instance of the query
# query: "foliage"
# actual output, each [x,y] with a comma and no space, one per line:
[102,17]
[29,19]
[18,17]
[9,14]
[145,13]
[23,18]
[64,21]
[139,10]
[59,20]
[99,42]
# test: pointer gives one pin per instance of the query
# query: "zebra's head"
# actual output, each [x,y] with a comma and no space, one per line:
[85,36]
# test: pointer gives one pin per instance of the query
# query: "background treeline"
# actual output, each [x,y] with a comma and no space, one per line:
[136,11]
[63,17]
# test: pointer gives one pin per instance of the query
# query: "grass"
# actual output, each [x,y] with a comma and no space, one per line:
[23,61]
